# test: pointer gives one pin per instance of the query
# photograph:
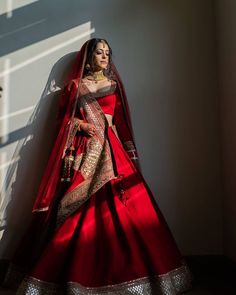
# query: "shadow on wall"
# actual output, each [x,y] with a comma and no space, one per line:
[37,31]
[38,21]
[172,88]
[32,150]
[27,143]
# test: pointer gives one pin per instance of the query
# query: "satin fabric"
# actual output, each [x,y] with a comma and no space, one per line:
[45,198]
[115,236]
[109,240]
[108,104]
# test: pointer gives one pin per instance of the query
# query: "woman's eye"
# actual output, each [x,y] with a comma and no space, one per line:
[100,52]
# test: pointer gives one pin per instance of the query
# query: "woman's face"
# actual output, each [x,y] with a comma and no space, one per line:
[101,56]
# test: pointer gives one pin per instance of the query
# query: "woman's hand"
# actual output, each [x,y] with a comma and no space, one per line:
[88,128]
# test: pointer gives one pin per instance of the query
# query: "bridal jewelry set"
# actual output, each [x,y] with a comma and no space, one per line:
[97,76]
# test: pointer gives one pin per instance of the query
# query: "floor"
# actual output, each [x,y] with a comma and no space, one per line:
[213,275]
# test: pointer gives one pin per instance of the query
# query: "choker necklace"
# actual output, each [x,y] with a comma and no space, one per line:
[98,76]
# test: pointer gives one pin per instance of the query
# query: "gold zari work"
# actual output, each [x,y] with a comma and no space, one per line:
[77,161]
[172,283]
[95,164]
[91,158]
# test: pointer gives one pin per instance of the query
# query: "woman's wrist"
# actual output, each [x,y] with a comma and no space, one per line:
[81,122]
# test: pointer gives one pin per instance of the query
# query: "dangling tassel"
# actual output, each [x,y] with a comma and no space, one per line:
[122,196]
[68,162]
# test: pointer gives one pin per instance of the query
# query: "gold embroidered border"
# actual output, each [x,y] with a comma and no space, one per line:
[77,161]
[171,283]
[94,114]
[72,131]
[92,157]
[97,170]
[96,165]
[76,201]
[33,286]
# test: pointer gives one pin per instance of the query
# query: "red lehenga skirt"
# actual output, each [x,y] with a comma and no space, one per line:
[111,246]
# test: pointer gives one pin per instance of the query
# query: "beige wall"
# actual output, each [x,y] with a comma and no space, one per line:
[165,52]
[174,104]
[226,15]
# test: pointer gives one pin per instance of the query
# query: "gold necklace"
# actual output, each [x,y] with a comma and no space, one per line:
[98,76]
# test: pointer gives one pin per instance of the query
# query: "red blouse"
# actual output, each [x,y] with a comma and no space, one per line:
[111,104]
[107,103]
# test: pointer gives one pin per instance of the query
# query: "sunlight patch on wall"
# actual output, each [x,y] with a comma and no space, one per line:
[4,101]
[8,6]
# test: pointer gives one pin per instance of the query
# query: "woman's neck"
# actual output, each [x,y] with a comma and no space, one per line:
[97,75]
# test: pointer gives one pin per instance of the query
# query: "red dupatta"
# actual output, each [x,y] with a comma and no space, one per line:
[67,107]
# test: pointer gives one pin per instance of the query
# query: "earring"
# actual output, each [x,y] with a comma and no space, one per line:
[87,66]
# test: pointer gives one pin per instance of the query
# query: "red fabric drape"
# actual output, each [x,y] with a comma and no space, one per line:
[51,178]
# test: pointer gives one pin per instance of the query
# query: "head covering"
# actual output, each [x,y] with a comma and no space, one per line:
[67,104]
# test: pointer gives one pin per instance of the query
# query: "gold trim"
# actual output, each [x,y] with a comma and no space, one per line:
[171,283]
[77,161]
[96,165]
[74,123]
[33,286]
[91,157]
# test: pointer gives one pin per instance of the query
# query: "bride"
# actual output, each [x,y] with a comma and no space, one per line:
[107,234]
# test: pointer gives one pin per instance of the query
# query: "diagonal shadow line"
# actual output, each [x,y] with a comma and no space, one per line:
[15,182]
[31,18]
[16,135]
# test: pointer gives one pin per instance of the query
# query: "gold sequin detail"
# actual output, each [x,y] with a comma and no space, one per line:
[97,170]
[77,161]
[96,164]
[33,286]
[171,283]
[73,128]
[91,158]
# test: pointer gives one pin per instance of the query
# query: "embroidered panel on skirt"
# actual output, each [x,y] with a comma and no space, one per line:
[95,164]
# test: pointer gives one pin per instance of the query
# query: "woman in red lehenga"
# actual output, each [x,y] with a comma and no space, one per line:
[107,234]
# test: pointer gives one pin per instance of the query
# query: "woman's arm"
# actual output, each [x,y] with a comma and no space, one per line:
[124,132]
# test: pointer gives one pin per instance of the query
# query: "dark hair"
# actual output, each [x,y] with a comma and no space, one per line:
[90,51]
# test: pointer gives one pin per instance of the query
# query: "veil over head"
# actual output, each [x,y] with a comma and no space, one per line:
[67,105]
